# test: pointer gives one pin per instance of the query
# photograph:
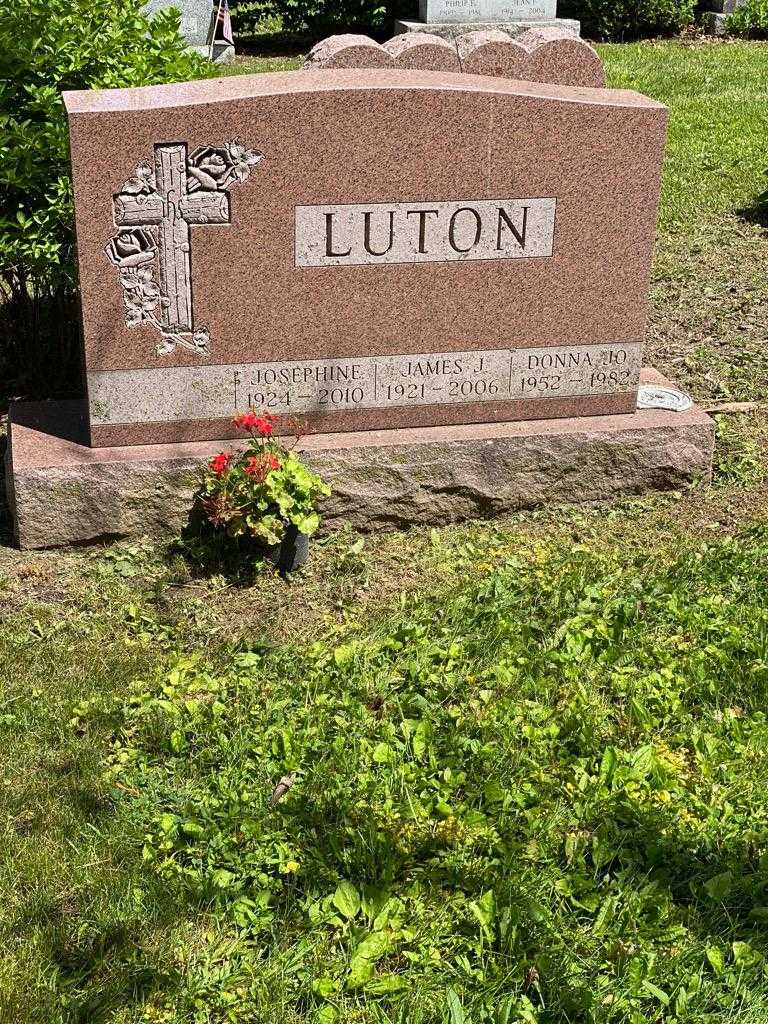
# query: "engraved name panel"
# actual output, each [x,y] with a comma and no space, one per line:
[481,229]
[486,10]
[365,382]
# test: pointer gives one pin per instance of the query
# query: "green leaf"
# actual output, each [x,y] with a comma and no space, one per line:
[718,887]
[420,738]
[608,765]
[455,1009]
[643,761]
[346,899]
[371,949]
[716,960]
[386,985]
[744,954]
[656,992]
[325,987]
[484,909]
[343,655]
[167,822]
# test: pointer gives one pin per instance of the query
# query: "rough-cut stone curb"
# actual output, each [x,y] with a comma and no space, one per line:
[61,492]
[544,54]
[420,51]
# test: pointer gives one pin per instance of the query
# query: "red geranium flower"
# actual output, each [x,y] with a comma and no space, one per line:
[258,466]
[255,424]
[220,463]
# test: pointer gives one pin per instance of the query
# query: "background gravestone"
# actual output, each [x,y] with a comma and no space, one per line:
[205,24]
[715,15]
[449,18]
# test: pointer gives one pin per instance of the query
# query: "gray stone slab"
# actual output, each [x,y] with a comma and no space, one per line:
[62,492]
[725,6]
[197,27]
[300,387]
[513,28]
[466,11]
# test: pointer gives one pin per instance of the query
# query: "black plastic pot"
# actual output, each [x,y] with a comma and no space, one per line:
[292,552]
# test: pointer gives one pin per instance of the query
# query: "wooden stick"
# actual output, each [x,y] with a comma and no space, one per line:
[736,407]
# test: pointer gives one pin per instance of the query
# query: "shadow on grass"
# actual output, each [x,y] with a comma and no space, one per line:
[757,212]
[275,44]
[239,560]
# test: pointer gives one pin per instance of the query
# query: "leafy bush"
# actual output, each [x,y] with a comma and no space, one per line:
[47,46]
[750,20]
[249,18]
[629,19]
[324,16]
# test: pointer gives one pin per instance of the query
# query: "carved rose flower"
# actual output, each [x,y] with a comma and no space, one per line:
[210,168]
[132,247]
[201,339]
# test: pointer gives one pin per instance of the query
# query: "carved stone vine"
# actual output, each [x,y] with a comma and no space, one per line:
[152,248]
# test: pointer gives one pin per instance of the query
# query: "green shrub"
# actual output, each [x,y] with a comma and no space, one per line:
[750,20]
[47,46]
[251,17]
[326,16]
[629,19]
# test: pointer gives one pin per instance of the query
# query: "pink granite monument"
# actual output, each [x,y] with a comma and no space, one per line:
[363,249]
[444,274]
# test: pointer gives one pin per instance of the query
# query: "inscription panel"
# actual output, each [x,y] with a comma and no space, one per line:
[459,11]
[480,229]
[366,382]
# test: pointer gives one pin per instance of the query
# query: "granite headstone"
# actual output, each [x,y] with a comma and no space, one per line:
[361,249]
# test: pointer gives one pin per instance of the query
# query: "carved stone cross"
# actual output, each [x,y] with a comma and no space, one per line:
[172,208]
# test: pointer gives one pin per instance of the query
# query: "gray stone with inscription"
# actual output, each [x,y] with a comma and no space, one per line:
[204,24]
[464,11]
[175,394]
[437,232]
[450,18]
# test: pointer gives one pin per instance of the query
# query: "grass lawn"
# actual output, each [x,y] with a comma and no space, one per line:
[529,759]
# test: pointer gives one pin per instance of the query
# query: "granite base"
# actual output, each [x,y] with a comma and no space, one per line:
[512,28]
[62,492]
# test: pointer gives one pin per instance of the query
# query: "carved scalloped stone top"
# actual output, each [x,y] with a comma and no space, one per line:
[548,55]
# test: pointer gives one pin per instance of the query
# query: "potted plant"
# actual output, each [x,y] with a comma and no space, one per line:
[263,494]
